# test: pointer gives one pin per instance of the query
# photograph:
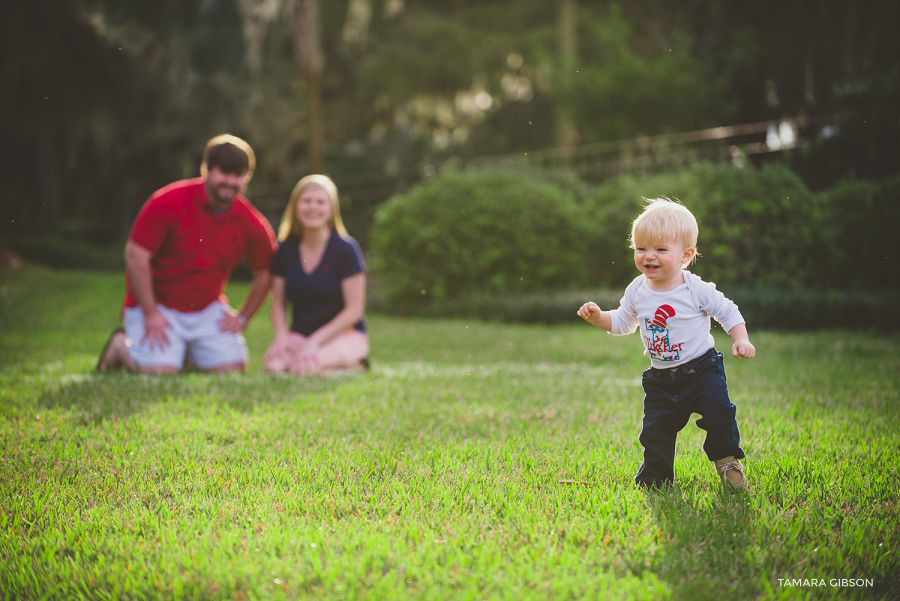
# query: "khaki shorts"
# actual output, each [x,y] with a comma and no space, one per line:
[193,335]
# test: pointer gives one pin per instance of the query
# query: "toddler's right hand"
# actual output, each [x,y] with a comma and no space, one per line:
[590,312]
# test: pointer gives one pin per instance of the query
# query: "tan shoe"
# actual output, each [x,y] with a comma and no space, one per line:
[732,473]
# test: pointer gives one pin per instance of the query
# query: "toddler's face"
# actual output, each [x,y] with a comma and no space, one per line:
[661,262]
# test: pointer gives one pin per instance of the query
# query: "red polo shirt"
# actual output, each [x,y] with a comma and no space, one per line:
[195,249]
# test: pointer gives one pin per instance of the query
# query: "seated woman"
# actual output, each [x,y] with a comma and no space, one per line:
[320,271]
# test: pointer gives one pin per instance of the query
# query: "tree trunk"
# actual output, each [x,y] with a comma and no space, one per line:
[308,49]
[356,26]
[48,171]
[316,120]
[256,16]
[849,41]
[566,133]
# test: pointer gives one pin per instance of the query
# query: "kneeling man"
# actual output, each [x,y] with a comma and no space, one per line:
[183,245]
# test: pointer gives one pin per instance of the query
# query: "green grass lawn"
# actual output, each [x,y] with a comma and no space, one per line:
[437,474]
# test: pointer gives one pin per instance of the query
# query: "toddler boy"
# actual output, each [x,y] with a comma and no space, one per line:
[672,307]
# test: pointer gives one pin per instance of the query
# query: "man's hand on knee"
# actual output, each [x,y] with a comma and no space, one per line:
[155,325]
[231,321]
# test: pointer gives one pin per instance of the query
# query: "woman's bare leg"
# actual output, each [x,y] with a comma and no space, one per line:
[344,352]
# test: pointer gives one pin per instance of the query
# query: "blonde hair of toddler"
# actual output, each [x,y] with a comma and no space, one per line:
[665,221]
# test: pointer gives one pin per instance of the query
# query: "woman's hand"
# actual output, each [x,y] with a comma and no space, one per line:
[277,348]
[306,359]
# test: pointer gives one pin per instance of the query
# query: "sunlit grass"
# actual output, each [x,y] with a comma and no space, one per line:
[434,476]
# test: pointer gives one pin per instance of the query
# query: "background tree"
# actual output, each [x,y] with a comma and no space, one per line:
[309,56]
[567,42]
[111,100]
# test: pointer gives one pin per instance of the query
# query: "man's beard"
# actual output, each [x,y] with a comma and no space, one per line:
[222,202]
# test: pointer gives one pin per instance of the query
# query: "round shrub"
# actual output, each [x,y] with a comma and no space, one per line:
[762,227]
[864,218]
[474,232]
[758,228]
[611,211]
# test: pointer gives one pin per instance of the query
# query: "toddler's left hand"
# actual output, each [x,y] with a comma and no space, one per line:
[743,349]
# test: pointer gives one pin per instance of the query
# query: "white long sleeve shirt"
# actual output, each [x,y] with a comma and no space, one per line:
[674,324]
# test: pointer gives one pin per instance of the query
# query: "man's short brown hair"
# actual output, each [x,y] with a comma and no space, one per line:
[230,154]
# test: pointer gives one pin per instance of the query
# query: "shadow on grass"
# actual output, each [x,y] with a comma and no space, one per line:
[710,549]
[120,395]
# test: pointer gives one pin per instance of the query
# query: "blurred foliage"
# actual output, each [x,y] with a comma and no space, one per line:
[478,232]
[469,237]
[632,89]
[815,309]
[760,228]
[860,235]
[60,253]
[112,100]
[757,227]
[770,309]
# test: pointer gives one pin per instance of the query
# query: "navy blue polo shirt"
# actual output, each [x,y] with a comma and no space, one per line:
[317,297]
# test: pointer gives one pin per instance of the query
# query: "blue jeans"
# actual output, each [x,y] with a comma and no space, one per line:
[670,397]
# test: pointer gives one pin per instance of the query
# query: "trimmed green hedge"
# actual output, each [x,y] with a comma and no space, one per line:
[761,229]
[861,235]
[762,309]
[469,233]
[63,253]
[509,245]
[758,228]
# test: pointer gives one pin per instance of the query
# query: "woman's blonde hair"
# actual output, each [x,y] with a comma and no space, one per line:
[667,221]
[290,226]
